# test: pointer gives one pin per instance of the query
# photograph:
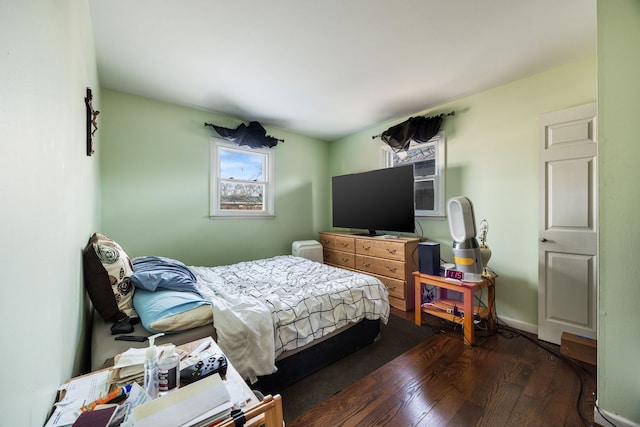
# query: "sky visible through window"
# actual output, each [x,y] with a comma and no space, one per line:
[239,165]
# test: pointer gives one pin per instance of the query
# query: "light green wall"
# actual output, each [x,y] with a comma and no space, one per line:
[618,111]
[155,186]
[492,157]
[49,198]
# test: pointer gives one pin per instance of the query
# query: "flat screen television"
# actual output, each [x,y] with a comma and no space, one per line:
[377,200]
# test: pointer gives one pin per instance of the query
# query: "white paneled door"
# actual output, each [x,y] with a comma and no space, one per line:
[568,226]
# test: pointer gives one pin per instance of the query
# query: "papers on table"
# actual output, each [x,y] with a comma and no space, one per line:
[129,366]
[77,393]
[198,404]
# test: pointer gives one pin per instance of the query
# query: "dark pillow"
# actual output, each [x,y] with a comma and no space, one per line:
[107,278]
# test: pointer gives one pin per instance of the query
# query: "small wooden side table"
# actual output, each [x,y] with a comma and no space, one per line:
[468,289]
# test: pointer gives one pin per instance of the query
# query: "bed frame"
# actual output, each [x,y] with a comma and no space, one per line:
[292,366]
[308,360]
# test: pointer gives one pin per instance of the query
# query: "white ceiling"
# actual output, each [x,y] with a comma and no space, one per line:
[332,67]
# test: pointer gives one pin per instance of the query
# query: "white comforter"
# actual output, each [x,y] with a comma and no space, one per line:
[265,307]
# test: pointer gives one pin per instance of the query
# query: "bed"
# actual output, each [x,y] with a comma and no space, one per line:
[277,319]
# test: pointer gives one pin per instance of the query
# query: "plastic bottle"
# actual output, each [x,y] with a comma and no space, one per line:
[151,373]
[168,371]
[151,368]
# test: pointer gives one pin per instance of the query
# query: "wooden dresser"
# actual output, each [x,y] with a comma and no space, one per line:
[393,261]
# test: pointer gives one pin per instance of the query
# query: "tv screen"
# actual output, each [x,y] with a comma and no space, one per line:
[378,200]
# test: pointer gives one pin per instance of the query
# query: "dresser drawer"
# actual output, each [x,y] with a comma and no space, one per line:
[394,286]
[345,243]
[334,241]
[384,267]
[327,240]
[382,248]
[339,258]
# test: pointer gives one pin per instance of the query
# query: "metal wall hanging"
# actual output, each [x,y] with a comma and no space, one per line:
[92,121]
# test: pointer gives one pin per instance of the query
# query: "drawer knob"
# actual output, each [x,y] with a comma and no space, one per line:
[391,288]
[392,251]
[366,248]
[344,245]
[366,264]
[393,270]
[345,259]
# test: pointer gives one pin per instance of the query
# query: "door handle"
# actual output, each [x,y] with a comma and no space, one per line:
[543,240]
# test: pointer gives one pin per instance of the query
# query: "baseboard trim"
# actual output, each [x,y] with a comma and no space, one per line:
[520,325]
[618,421]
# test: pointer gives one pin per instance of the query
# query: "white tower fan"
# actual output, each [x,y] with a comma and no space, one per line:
[466,250]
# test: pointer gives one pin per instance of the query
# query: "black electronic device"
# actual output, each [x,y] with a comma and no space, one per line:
[138,338]
[381,199]
[429,258]
[216,364]
[122,326]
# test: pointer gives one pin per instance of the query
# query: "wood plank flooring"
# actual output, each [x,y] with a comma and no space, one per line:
[506,380]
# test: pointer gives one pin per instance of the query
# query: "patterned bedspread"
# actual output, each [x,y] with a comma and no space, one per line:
[265,307]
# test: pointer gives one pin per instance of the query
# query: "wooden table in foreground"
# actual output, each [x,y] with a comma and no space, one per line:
[468,290]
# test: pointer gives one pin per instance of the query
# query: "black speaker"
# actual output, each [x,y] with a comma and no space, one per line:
[429,257]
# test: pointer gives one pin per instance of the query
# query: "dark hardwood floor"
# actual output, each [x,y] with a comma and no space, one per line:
[505,380]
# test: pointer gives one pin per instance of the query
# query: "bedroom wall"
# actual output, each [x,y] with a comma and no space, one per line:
[618,108]
[49,195]
[155,186]
[492,157]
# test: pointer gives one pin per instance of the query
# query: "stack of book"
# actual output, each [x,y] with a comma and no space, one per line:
[201,403]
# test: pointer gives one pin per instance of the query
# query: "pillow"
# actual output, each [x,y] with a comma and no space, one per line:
[200,316]
[107,278]
[153,272]
[171,311]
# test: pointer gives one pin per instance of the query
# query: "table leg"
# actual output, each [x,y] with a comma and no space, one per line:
[418,301]
[492,306]
[469,329]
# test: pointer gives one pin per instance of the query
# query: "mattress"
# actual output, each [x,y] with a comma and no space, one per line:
[266,307]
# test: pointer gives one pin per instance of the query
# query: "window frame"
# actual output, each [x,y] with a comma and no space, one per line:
[268,155]
[391,159]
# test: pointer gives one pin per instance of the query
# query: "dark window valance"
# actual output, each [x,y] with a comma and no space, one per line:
[252,135]
[419,129]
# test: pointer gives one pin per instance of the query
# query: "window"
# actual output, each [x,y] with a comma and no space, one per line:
[428,161]
[241,181]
